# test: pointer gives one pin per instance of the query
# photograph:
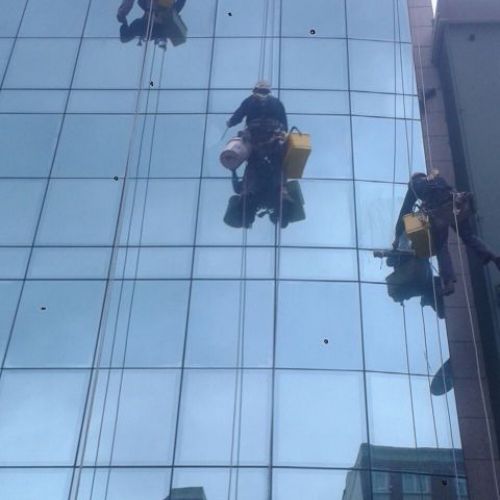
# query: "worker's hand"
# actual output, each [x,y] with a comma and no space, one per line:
[122,18]
[395,244]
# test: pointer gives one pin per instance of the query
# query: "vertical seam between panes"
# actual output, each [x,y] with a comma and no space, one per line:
[356,229]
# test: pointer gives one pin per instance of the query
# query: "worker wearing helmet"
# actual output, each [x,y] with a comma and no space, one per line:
[445,207]
[261,106]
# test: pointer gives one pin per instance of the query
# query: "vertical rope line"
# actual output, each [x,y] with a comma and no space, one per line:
[136,265]
[476,356]
[426,354]
[90,401]
[395,136]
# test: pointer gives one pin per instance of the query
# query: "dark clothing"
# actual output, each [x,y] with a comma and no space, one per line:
[260,108]
[145,5]
[437,201]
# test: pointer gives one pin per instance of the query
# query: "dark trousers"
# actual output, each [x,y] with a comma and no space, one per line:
[441,221]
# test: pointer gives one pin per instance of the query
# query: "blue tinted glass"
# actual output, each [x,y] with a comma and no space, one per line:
[331,145]
[102,101]
[319,418]
[80,212]
[317,327]
[9,296]
[93,146]
[33,101]
[59,263]
[330,216]
[245,19]
[146,327]
[325,17]
[375,104]
[41,63]
[214,327]
[43,336]
[207,413]
[19,208]
[320,102]
[54,18]
[314,64]
[167,217]
[12,11]
[5,48]
[41,416]
[32,484]
[36,160]
[124,483]
[13,262]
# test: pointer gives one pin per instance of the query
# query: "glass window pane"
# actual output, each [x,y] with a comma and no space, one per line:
[314,64]
[326,17]
[330,216]
[9,296]
[331,145]
[319,418]
[12,12]
[32,161]
[5,48]
[13,262]
[214,324]
[93,146]
[315,101]
[205,432]
[79,212]
[298,484]
[378,20]
[387,150]
[39,19]
[33,484]
[136,426]
[124,483]
[41,416]
[220,263]
[384,334]
[372,67]
[41,63]
[244,55]
[19,208]
[378,105]
[246,19]
[375,202]
[33,101]
[167,218]
[43,334]
[59,263]
[147,323]
[317,326]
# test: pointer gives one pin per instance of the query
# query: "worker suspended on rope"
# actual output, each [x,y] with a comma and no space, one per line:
[444,206]
[164,18]
[264,185]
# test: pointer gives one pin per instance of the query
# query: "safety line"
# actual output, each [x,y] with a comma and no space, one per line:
[107,300]
[476,352]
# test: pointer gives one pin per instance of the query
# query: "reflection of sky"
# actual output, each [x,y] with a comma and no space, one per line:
[434,4]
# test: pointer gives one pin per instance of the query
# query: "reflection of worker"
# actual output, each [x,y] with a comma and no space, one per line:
[439,201]
[160,18]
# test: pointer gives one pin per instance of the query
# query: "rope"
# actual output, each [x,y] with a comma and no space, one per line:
[476,355]
[90,400]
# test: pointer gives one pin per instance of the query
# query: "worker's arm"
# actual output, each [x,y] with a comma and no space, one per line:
[406,208]
[124,10]
[239,114]
[179,5]
[282,113]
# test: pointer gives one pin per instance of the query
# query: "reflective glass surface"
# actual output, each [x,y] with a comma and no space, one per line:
[153,348]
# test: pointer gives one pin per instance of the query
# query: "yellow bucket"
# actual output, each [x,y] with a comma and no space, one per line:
[298,149]
[417,228]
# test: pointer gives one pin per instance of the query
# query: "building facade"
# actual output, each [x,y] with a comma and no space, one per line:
[150,351]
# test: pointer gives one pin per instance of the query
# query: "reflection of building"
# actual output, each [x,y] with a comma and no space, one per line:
[405,474]
[187,494]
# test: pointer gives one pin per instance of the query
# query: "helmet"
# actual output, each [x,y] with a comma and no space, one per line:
[262,87]
[417,175]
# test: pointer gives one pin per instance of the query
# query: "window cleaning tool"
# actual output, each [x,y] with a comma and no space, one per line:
[235,153]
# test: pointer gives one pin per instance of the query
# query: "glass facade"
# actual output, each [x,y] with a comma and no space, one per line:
[149,350]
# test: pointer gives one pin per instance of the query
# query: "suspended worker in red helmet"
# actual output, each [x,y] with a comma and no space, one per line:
[445,207]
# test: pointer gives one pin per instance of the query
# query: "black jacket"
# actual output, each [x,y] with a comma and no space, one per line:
[432,192]
[258,108]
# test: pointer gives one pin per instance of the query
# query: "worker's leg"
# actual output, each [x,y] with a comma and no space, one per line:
[439,234]
[475,243]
